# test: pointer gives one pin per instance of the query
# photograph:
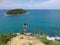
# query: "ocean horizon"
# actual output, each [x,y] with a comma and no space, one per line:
[44,20]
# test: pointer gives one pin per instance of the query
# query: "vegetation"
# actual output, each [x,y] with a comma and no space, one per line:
[30,44]
[21,32]
[16,11]
[40,32]
[48,42]
[6,37]
[56,42]
[44,39]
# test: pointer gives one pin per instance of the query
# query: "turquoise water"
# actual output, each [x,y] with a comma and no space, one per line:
[44,20]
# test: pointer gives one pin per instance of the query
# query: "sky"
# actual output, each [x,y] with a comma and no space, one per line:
[30,4]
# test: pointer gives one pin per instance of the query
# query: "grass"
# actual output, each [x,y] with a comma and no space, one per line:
[30,43]
[4,44]
[56,42]
[4,38]
[44,40]
[48,42]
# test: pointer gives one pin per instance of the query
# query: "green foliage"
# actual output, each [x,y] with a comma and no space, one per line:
[44,40]
[21,32]
[4,44]
[6,37]
[30,43]
[40,32]
[16,11]
[56,43]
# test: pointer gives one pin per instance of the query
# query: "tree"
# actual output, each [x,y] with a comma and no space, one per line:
[16,11]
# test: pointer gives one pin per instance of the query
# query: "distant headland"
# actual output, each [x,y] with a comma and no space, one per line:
[16,12]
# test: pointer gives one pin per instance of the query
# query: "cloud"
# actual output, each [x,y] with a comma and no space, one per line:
[50,4]
[30,4]
[7,4]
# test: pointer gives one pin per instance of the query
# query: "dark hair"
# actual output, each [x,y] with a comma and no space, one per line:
[25,24]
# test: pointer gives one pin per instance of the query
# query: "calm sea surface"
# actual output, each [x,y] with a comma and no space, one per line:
[44,20]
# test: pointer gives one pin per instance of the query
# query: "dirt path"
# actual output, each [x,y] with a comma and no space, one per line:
[24,40]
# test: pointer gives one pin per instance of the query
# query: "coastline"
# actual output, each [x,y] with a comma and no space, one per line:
[40,39]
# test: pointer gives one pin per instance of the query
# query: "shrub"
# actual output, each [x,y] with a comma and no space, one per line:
[6,37]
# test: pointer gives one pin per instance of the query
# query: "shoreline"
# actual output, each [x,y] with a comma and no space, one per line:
[39,35]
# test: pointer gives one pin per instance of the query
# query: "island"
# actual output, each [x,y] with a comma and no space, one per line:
[16,12]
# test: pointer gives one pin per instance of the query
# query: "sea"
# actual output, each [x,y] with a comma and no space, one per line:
[43,20]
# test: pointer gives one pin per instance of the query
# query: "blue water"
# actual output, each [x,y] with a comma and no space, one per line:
[44,20]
